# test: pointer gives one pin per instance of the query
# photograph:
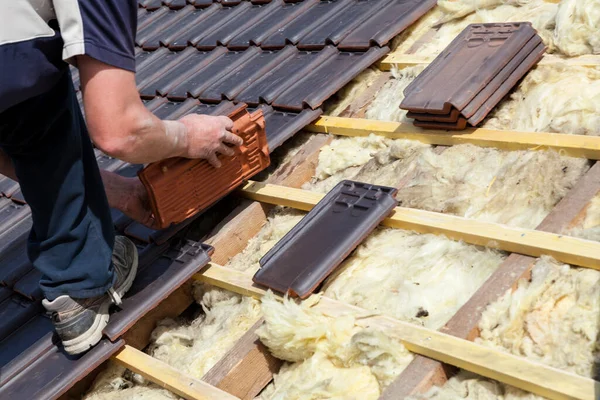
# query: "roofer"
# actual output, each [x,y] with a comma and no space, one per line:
[46,146]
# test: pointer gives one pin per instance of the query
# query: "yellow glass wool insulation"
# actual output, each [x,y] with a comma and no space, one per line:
[517,188]
[553,319]
[117,383]
[196,347]
[419,278]
[577,23]
[344,153]
[468,386]
[559,98]
[423,279]
[342,99]
[331,358]
[318,378]
[568,27]
[386,105]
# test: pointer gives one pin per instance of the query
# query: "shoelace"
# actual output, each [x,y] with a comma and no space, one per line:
[114,296]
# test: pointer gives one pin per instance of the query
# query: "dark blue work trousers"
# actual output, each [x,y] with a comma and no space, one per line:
[72,236]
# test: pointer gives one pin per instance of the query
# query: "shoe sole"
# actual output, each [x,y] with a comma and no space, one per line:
[92,336]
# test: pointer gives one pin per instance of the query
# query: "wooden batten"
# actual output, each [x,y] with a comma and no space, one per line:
[168,377]
[402,60]
[568,145]
[515,240]
[246,369]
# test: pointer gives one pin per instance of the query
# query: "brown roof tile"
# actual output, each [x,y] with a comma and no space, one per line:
[315,246]
[180,188]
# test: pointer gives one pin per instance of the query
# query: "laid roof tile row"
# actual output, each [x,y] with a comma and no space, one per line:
[151,5]
[287,79]
[307,24]
[32,363]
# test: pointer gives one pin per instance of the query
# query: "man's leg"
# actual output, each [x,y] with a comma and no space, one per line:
[72,238]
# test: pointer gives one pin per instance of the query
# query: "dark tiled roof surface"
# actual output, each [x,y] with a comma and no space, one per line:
[287,55]
[307,24]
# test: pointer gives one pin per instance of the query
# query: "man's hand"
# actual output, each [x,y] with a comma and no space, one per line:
[208,136]
[129,196]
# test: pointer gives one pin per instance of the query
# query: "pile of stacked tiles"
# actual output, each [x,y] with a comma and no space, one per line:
[466,81]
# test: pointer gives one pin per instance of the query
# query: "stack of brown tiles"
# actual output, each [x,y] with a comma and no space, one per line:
[466,81]
[180,188]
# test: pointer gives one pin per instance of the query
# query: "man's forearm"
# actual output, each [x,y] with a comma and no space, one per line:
[145,138]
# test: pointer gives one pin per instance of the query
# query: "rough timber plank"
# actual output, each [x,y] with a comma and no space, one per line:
[529,242]
[301,167]
[569,145]
[419,376]
[358,107]
[516,371]
[416,378]
[407,60]
[168,377]
[246,369]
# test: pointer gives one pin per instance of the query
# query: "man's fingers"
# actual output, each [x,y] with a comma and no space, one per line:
[225,150]
[227,122]
[232,139]
[213,160]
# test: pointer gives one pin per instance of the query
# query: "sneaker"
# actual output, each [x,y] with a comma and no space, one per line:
[80,322]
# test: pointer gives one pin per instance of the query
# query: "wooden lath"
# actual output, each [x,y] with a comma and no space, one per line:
[408,60]
[168,377]
[569,145]
[504,367]
[529,242]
